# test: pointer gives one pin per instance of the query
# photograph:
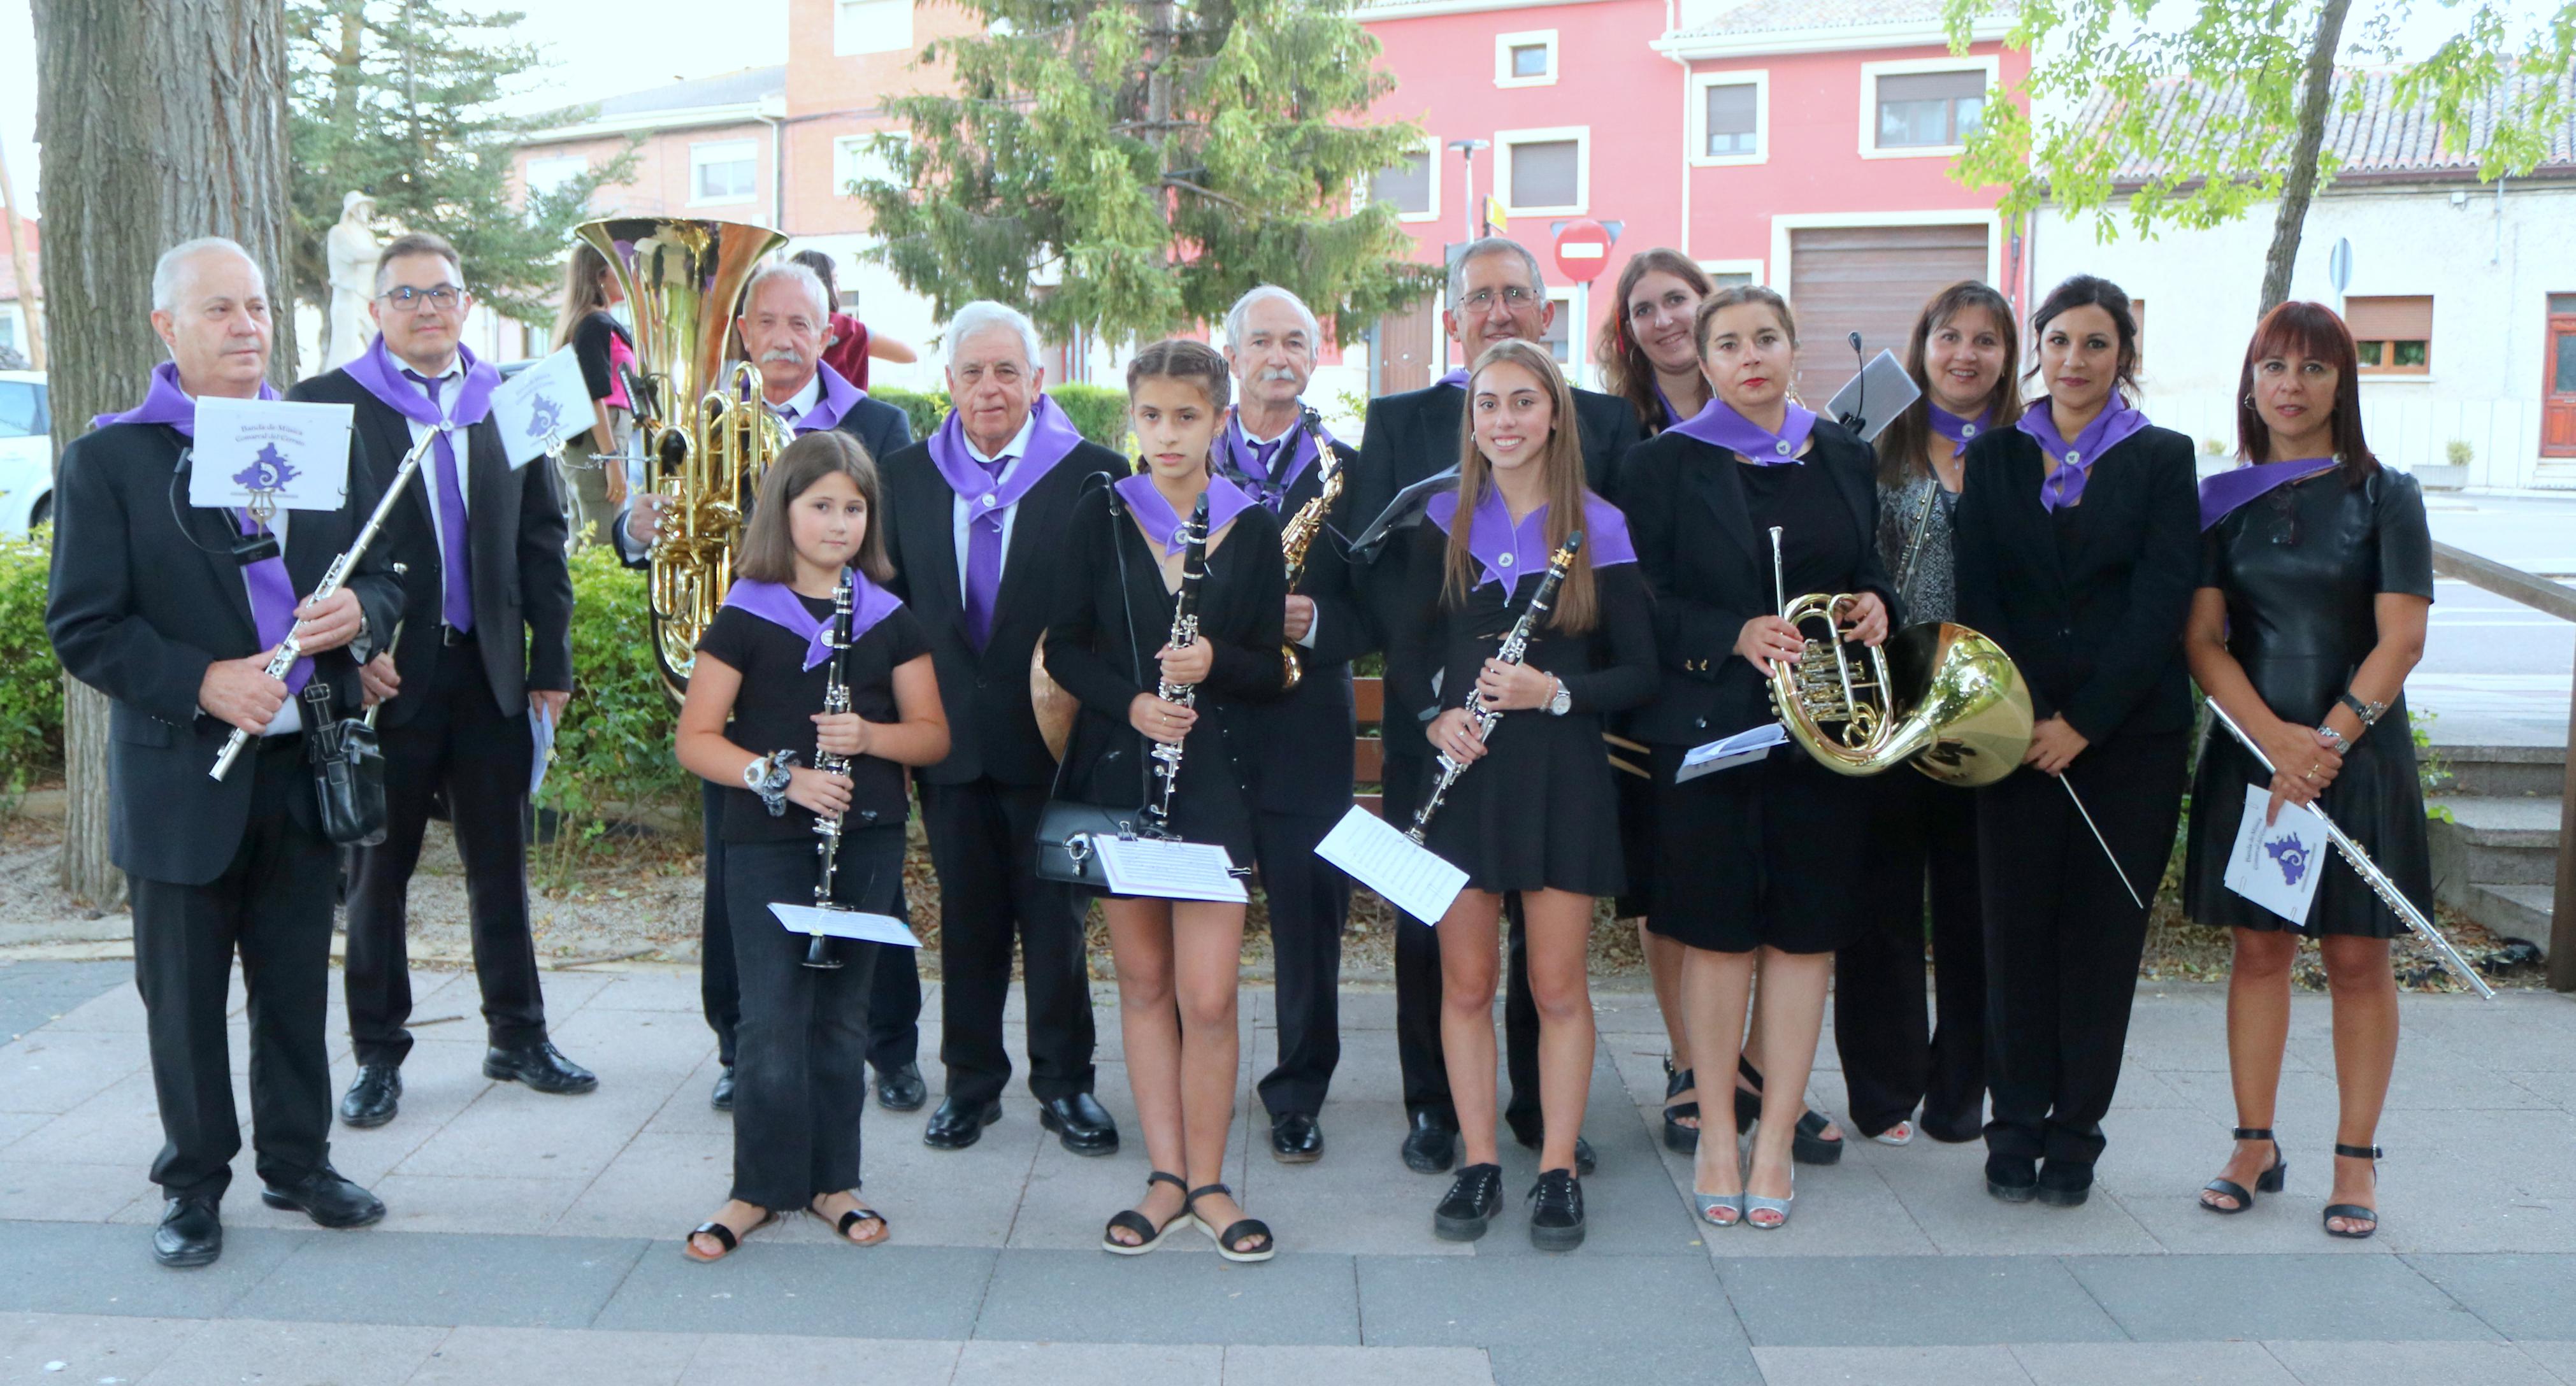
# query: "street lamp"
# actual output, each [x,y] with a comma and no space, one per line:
[1467,163]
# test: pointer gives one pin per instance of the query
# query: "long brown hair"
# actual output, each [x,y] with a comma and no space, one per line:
[585,289]
[768,552]
[1625,369]
[1560,463]
[1905,447]
[2311,330]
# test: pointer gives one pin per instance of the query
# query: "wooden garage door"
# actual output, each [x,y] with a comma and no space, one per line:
[1872,280]
[1408,348]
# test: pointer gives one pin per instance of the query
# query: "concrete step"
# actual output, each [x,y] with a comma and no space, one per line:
[2505,771]
[2512,911]
[2496,860]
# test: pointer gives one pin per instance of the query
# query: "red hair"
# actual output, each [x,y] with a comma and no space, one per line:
[2311,330]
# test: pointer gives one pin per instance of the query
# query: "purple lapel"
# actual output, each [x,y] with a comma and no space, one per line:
[1722,426]
[2226,491]
[838,399]
[1507,551]
[2114,425]
[778,604]
[1274,487]
[381,375]
[1156,517]
[166,403]
[1050,440]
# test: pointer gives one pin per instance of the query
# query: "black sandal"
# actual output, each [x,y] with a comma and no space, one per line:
[2354,1212]
[852,1218]
[1241,1229]
[723,1234]
[1679,1138]
[1133,1221]
[2269,1181]
[1810,1145]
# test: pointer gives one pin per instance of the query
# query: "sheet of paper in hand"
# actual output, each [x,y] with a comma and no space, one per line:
[1878,394]
[1403,872]
[1743,748]
[541,407]
[1169,870]
[288,456]
[858,924]
[2276,866]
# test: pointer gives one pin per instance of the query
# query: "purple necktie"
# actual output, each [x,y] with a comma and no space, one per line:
[984,561]
[452,554]
[272,605]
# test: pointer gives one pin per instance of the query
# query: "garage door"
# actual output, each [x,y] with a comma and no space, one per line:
[1872,280]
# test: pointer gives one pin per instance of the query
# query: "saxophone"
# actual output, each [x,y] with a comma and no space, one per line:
[1299,536]
[1185,632]
[1515,646]
[836,698]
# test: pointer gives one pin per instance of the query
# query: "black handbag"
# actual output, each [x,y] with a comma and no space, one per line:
[348,771]
[1067,827]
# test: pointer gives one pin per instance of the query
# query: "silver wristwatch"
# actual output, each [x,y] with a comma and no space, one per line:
[1559,702]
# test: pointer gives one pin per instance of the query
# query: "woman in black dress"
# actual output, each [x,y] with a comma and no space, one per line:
[1534,813]
[1924,837]
[1753,862]
[2316,578]
[2075,540]
[1178,960]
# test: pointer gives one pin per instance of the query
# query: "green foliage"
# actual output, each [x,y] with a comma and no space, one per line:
[31,681]
[924,411]
[2458,453]
[1098,412]
[1147,164]
[2432,768]
[614,747]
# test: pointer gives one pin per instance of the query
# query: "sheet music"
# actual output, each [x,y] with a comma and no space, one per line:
[1743,748]
[541,731]
[1884,386]
[1408,875]
[839,923]
[1169,870]
[2277,866]
[292,454]
[541,407]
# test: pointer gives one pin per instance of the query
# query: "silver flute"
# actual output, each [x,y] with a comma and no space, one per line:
[1515,648]
[1185,633]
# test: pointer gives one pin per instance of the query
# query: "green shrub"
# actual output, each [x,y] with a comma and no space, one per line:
[614,747]
[31,680]
[1097,411]
[2458,453]
[924,410]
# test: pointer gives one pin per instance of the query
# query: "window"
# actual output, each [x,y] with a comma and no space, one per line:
[1922,108]
[548,175]
[21,410]
[1729,112]
[2394,335]
[1727,274]
[871,26]
[1525,60]
[725,172]
[1560,330]
[1543,171]
[2138,316]
[1413,185]
[855,159]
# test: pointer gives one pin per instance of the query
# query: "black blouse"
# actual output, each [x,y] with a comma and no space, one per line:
[590,349]
[2302,567]
[775,710]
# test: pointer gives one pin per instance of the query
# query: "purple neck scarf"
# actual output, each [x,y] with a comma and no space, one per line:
[838,398]
[1160,523]
[1958,428]
[1508,550]
[2116,423]
[1051,437]
[167,403]
[380,374]
[1457,377]
[2226,491]
[383,376]
[778,604]
[1271,480]
[1722,426]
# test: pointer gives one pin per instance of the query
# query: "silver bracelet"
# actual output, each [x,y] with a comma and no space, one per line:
[2342,743]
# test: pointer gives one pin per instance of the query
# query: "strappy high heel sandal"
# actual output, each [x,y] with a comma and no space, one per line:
[1678,1138]
[1149,1236]
[1756,1204]
[1263,1249]
[2272,1180]
[1809,1145]
[2354,1212]
[725,1237]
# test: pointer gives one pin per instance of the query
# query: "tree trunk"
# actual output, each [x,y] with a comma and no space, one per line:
[2314,103]
[160,122]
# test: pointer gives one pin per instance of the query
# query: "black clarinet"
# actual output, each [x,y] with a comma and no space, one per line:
[1185,632]
[836,698]
[1515,648]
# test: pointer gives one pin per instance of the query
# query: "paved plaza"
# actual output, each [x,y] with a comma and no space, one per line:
[536,1239]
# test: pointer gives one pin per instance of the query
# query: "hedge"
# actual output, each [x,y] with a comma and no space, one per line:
[31,680]
[1098,412]
[614,747]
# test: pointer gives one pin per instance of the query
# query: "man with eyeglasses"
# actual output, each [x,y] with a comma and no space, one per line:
[485,641]
[1496,293]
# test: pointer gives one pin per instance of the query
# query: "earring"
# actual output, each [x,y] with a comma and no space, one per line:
[2249,401]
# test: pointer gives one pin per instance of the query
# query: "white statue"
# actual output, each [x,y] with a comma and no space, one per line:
[352,249]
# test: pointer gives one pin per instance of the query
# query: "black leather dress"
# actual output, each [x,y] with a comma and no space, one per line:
[2301,567]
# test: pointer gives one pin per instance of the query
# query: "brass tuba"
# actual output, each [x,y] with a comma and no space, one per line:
[703,433]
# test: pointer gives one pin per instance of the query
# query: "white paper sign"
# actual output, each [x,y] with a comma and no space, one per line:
[540,407]
[541,732]
[1743,748]
[1882,390]
[1168,870]
[844,923]
[1406,874]
[2277,866]
[295,455]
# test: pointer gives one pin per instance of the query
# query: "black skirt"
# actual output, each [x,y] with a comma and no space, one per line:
[1537,813]
[1766,855]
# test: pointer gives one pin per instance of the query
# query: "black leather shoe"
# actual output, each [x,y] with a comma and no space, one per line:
[541,1066]
[722,1098]
[2065,1184]
[1431,1146]
[1081,1124]
[191,1233]
[1295,1139]
[328,1199]
[1536,1136]
[1469,1206]
[2012,1178]
[374,1098]
[955,1126]
[902,1090]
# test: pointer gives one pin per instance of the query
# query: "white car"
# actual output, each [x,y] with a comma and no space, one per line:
[26,453]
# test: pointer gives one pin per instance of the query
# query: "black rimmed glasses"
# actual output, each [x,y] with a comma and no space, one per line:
[444,297]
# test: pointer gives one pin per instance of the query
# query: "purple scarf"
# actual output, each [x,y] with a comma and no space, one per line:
[1457,377]
[166,403]
[1050,440]
[839,397]
[1720,425]
[1156,516]
[778,604]
[2114,425]
[1507,550]
[2223,493]
[382,376]
[1274,480]
[1958,428]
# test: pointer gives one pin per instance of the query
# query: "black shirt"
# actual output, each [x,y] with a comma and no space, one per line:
[1818,550]
[774,711]
[590,348]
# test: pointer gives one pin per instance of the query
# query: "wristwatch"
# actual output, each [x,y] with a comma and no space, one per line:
[768,777]
[2368,712]
[2342,743]
[1559,702]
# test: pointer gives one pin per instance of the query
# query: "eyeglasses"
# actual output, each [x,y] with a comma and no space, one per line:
[442,298]
[1514,296]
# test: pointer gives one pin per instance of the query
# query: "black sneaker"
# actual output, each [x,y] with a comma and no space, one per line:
[1473,1199]
[1556,1223]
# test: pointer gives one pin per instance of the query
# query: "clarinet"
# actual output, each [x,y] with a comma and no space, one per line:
[1515,646]
[836,698]
[1185,632]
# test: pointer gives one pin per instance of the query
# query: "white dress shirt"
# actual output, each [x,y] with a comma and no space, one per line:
[962,510]
[801,403]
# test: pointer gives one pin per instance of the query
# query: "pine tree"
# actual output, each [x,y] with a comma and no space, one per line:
[1144,164]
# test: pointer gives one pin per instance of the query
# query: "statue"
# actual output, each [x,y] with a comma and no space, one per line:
[351,248]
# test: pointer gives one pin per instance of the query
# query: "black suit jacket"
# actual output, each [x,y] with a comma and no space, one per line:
[992,730]
[145,594]
[515,535]
[2097,627]
[1302,743]
[880,428]
[1710,573]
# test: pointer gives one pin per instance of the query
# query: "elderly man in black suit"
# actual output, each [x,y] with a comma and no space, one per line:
[173,611]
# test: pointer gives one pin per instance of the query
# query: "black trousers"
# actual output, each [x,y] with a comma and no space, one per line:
[983,844]
[457,740]
[1923,841]
[894,1006]
[800,1074]
[272,904]
[1309,899]
[1417,988]
[2063,938]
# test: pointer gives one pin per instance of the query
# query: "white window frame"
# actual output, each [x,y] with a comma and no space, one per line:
[1562,295]
[1759,78]
[579,164]
[853,155]
[1987,63]
[1751,267]
[1783,224]
[1432,150]
[723,152]
[1505,43]
[845,39]
[1504,140]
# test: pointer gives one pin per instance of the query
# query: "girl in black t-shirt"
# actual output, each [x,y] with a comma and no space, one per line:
[753,714]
